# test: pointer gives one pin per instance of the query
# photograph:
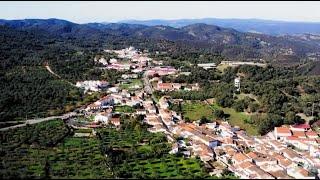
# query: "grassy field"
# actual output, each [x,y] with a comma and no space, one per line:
[124,109]
[242,96]
[133,83]
[238,119]
[222,67]
[195,110]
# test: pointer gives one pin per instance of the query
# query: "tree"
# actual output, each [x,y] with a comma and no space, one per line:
[253,107]
[204,120]
[187,120]
[292,118]
[218,113]
[239,106]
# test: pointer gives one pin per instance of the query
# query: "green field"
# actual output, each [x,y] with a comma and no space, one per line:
[222,67]
[132,83]
[243,96]
[195,110]
[238,119]
[124,109]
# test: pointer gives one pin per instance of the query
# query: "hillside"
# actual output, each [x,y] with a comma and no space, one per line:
[243,25]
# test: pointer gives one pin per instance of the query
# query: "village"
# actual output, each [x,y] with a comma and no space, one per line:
[287,152]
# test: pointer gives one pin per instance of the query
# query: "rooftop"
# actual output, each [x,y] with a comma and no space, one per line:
[283,130]
[240,157]
[298,134]
[301,126]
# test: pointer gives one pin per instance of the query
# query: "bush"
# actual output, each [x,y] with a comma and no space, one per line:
[218,113]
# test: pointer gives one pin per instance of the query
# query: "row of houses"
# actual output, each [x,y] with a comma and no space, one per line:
[301,136]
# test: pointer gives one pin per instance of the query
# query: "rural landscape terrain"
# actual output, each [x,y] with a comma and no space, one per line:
[158,99]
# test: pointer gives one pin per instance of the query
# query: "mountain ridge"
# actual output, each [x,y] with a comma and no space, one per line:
[271,27]
[229,42]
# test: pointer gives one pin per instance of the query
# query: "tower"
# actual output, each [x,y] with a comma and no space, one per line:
[237,83]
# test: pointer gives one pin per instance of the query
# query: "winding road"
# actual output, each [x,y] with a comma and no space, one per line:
[39,120]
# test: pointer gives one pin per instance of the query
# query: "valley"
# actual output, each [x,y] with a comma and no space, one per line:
[134,101]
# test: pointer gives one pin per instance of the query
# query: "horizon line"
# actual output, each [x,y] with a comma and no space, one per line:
[165,19]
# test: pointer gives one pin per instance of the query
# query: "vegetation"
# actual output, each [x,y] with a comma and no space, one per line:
[124,109]
[238,119]
[132,84]
[266,92]
[136,153]
[195,111]
[47,150]
[28,89]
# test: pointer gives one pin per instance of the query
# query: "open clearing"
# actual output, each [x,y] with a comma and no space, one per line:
[195,110]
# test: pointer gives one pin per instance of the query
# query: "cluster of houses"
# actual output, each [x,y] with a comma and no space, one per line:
[287,152]
[104,112]
[265,157]
[300,136]
[262,157]
[138,60]
[92,85]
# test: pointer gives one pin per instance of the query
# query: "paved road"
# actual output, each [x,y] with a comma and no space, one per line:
[38,120]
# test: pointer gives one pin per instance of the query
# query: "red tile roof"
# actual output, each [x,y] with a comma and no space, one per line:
[252,155]
[298,134]
[165,86]
[283,130]
[240,157]
[302,126]
[311,134]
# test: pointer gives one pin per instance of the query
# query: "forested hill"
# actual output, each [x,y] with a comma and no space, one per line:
[230,43]
[27,89]
[243,25]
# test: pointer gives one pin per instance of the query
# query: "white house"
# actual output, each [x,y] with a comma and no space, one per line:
[299,173]
[102,117]
[281,132]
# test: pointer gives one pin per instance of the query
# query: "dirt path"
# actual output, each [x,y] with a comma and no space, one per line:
[53,73]
[288,95]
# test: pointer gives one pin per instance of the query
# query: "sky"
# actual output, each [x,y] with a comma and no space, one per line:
[112,11]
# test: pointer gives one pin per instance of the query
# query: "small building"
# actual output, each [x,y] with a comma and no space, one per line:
[300,127]
[312,134]
[299,173]
[165,86]
[115,121]
[207,65]
[237,83]
[240,158]
[281,132]
[102,117]
[298,134]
